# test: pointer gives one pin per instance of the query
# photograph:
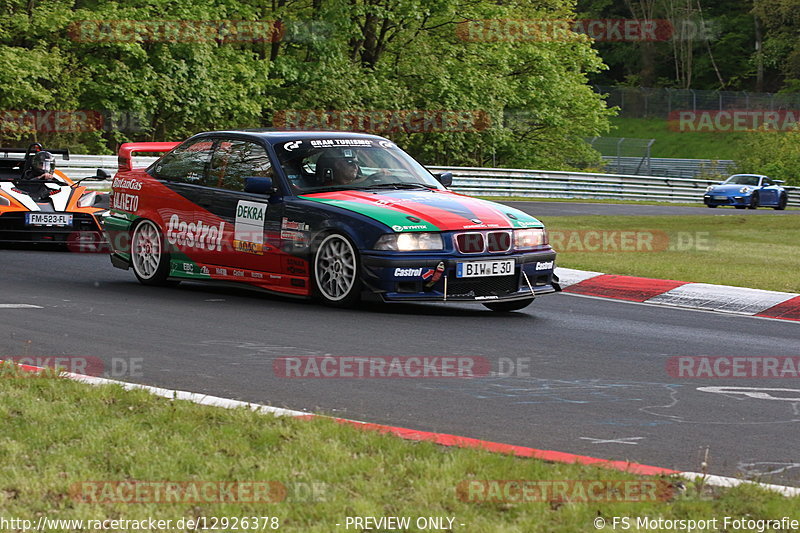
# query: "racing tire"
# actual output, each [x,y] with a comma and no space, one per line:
[336,268]
[149,261]
[753,202]
[782,203]
[507,307]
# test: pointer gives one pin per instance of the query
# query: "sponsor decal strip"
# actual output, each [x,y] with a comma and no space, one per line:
[184,267]
[390,217]
[438,438]
[444,212]
[195,234]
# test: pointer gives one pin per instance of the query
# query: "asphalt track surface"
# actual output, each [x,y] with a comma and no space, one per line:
[595,383]
[564,209]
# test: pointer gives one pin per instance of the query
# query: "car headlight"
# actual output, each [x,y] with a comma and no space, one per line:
[529,238]
[87,200]
[745,190]
[709,188]
[408,242]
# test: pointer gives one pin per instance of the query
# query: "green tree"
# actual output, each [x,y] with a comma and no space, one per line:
[774,153]
[328,55]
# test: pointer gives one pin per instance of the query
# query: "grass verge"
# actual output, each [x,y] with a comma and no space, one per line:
[502,199]
[690,145]
[56,434]
[760,252]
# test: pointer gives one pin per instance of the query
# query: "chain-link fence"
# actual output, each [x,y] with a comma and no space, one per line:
[638,102]
[623,152]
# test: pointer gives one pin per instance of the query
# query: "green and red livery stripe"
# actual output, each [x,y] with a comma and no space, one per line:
[388,216]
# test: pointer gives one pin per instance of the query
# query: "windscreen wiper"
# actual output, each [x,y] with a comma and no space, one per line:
[399,185]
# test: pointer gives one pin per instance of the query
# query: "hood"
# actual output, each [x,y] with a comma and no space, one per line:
[427,210]
[730,188]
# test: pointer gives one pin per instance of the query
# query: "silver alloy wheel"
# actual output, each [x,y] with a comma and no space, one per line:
[335,268]
[146,250]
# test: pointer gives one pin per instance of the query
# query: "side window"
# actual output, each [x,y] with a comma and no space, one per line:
[186,163]
[235,160]
[767,182]
[219,164]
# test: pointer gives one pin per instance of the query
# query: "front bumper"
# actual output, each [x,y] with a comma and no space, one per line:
[432,278]
[721,199]
[84,231]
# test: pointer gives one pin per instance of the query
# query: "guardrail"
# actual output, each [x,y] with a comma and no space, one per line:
[82,166]
[667,166]
[581,185]
[500,182]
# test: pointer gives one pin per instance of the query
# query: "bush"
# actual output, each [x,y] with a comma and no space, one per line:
[773,153]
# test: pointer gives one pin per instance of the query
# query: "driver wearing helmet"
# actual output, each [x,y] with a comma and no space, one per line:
[338,167]
[42,165]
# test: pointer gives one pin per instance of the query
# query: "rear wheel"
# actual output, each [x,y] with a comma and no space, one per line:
[506,307]
[753,202]
[150,262]
[782,203]
[336,271]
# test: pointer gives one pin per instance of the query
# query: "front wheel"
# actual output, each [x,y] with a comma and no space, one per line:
[506,307]
[753,202]
[782,203]
[336,271]
[150,262]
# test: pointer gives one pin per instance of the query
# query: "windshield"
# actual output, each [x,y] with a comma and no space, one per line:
[742,179]
[317,165]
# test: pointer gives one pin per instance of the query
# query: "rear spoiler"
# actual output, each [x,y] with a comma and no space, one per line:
[127,150]
[23,151]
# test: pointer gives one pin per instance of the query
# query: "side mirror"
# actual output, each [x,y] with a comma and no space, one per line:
[102,174]
[259,185]
[445,178]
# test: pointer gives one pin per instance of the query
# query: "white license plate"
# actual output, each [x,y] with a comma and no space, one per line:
[480,269]
[48,219]
[719,197]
